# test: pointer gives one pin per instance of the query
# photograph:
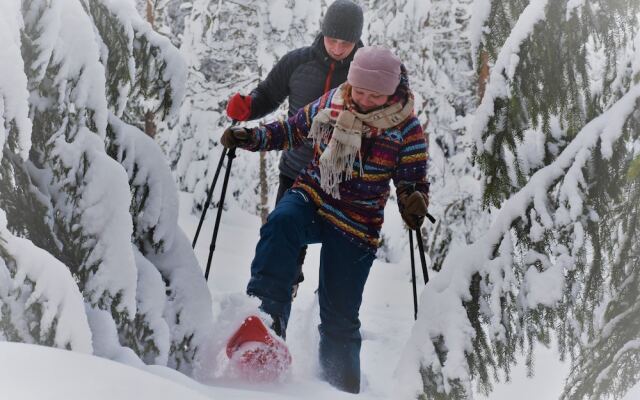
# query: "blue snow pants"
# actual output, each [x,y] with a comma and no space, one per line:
[344,268]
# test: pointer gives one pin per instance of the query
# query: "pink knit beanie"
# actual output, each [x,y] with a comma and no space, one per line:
[375,68]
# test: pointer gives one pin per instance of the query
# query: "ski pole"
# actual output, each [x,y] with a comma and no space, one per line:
[209,196]
[231,154]
[413,277]
[207,203]
[423,260]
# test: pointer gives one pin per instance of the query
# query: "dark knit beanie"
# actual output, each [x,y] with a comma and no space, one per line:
[343,21]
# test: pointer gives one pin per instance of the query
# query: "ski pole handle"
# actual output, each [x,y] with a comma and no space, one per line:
[430,217]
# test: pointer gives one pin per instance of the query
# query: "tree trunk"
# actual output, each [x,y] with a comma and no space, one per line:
[150,127]
[150,15]
[264,188]
[483,75]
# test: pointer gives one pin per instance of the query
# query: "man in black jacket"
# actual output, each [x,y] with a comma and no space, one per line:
[303,75]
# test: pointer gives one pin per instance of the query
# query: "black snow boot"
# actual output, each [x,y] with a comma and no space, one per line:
[279,326]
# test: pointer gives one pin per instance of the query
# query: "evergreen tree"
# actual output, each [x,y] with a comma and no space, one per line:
[556,133]
[79,184]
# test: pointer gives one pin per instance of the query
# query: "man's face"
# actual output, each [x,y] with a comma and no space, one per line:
[338,49]
[367,100]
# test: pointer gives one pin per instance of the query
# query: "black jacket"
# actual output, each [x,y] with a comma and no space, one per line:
[302,75]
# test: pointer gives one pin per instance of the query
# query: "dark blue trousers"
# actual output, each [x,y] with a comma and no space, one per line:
[344,268]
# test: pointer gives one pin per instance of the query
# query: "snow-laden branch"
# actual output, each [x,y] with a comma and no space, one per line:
[162,241]
[175,73]
[449,323]
[54,290]
[103,212]
[14,96]
[66,44]
[504,69]
[147,167]
[480,12]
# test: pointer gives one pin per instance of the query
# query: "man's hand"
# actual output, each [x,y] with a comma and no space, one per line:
[239,107]
[236,137]
[413,208]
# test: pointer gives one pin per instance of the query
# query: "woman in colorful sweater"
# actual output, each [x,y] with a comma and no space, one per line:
[365,134]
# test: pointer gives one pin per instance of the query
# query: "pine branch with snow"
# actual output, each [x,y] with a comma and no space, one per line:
[551,159]
[76,185]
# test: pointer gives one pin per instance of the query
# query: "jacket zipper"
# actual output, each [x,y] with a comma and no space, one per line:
[327,82]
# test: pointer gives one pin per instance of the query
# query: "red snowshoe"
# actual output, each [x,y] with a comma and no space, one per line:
[255,354]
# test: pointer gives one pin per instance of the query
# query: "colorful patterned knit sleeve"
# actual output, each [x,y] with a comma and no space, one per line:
[288,133]
[411,171]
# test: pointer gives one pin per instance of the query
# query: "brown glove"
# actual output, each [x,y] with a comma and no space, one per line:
[413,208]
[236,136]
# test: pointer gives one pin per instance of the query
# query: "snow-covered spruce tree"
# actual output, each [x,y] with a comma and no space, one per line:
[556,133]
[230,47]
[39,300]
[83,64]
[607,311]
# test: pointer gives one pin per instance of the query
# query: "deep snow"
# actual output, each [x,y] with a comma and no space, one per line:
[30,372]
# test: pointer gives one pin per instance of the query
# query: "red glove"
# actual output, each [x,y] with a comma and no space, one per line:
[239,107]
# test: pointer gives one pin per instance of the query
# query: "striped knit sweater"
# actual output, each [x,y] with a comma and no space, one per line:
[398,153]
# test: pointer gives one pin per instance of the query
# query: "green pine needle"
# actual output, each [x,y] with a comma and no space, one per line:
[634,169]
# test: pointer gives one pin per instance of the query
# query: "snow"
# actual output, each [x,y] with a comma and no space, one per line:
[394,347]
[66,375]
[67,40]
[480,12]
[280,15]
[151,301]
[146,164]
[54,288]
[69,375]
[187,309]
[175,72]
[386,312]
[387,323]
[14,104]
[101,211]
[386,315]
[531,151]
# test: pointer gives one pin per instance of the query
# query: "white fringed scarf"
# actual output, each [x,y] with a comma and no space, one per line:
[344,134]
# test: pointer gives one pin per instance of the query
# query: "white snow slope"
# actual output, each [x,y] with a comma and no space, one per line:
[29,372]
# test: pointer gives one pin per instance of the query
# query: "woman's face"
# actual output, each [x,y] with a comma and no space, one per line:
[368,100]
